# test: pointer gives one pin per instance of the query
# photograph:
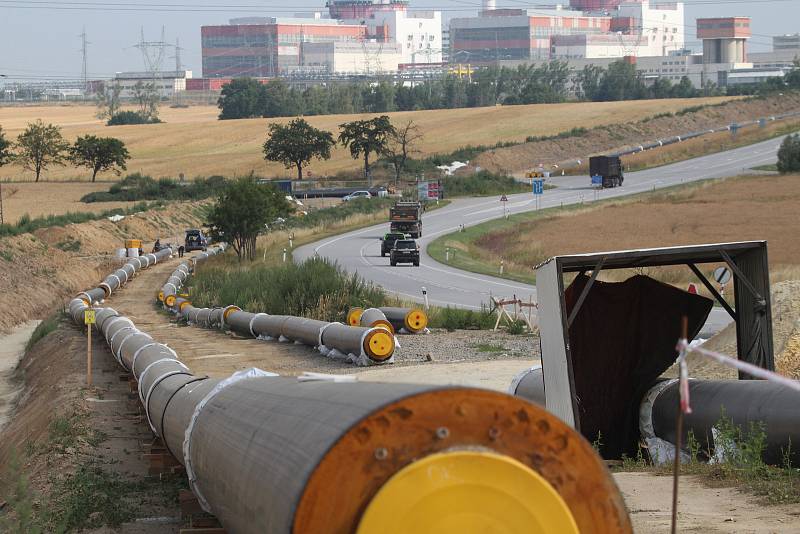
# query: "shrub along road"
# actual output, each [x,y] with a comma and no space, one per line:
[359,251]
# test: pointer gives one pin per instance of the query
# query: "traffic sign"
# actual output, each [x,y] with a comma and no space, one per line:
[597,180]
[88,317]
[503,198]
[538,187]
[722,275]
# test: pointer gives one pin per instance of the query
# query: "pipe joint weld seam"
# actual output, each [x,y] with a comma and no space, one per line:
[136,355]
[250,327]
[150,390]
[122,344]
[322,331]
[187,440]
[141,376]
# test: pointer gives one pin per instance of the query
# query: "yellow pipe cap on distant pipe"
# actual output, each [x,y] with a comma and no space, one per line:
[170,300]
[354,316]
[416,320]
[379,344]
[161,296]
[467,491]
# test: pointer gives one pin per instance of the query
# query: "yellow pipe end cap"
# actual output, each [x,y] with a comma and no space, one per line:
[383,324]
[467,491]
[416,321]
[380,344]
[229,310]
[354,316]
[170,300]
[161,296]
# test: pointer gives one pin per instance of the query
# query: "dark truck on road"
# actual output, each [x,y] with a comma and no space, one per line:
[406,217]
[404,251]
[387,241]
[609,168]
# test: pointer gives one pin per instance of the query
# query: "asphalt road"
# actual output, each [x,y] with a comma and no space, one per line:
[359,251]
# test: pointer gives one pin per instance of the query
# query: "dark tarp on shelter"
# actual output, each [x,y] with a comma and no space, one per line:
[621,341]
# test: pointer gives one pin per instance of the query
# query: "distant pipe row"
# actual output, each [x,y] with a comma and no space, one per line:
[120,277]
[367,345]
[273,454]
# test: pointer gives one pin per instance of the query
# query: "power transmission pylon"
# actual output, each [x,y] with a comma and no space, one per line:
[85,68]
[153,54]
[178,70]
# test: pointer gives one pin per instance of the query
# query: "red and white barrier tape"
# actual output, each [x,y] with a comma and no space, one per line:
[750,369]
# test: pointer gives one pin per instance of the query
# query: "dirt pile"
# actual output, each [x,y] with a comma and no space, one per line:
[42,270]
[616,136]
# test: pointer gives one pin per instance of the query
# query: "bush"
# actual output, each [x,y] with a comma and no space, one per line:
[334,214]
[457,319]
[483,183]
[316,289]
[789,154]
[142,187]
[131,117]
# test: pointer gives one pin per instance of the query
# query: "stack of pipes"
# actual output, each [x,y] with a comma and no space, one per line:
[398,320]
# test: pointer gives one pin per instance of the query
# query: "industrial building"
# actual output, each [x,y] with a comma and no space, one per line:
[342,58]
[166,83]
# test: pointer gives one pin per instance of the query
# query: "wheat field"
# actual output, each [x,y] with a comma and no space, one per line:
[193,142]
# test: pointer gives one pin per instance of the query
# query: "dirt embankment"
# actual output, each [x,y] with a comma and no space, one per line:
[616,136]
[40,271]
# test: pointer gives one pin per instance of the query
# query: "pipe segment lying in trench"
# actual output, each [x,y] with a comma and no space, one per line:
[273,454]
[744,402]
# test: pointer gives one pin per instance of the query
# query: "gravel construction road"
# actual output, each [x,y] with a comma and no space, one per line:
[359,251]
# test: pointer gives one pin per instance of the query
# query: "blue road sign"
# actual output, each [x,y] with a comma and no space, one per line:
[538,187]
[597,180]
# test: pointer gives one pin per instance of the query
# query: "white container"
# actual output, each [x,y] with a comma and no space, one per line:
[133,252]
[120,253]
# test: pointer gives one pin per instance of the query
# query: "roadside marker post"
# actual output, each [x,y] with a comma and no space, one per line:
[504,200]
[722,275]
[284,255]
[89,320]
[425,295]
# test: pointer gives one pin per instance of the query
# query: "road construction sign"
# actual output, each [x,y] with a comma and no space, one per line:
[503,198]
[88,317]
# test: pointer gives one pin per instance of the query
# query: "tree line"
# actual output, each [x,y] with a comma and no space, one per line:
[42,146]
[525,84]
[297,143]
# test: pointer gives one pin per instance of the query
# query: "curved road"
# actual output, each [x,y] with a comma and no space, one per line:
[359,251]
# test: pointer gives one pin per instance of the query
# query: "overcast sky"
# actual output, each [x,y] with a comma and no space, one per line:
[40,41]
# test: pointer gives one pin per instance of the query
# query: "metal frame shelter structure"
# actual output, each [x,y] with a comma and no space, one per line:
[752,313]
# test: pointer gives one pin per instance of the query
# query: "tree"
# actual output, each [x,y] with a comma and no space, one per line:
[792,77]
[5,149]
[147,98]
[40,146]
[99,154]
[400,147]
[241,212]
[365,137]
[296,144]
[242,98]
[789,154]
[620,82]
[108,100]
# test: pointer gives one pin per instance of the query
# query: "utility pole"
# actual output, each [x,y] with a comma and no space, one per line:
[178,69]
[85,67]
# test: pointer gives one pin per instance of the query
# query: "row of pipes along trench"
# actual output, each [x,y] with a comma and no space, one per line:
[265,453]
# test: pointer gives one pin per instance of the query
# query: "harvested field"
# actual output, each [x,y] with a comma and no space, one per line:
[736,209]
[194,142]
[42,199]
[625,133]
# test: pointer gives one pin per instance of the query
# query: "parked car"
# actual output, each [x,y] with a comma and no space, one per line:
[195,240]
[404,251]
[357,194]
[387,241]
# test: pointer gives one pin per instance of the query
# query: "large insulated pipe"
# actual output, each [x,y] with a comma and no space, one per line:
[373,317]
[743,402]
[529,384]
[412,320]
[271,454]
[121,276]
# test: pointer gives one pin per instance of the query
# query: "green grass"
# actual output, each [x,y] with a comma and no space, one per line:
[481,184]
[458,319]
[742,466]
[69,245]
[770,167]
[45,328]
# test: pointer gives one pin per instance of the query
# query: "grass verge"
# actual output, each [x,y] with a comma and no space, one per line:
[44,328]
